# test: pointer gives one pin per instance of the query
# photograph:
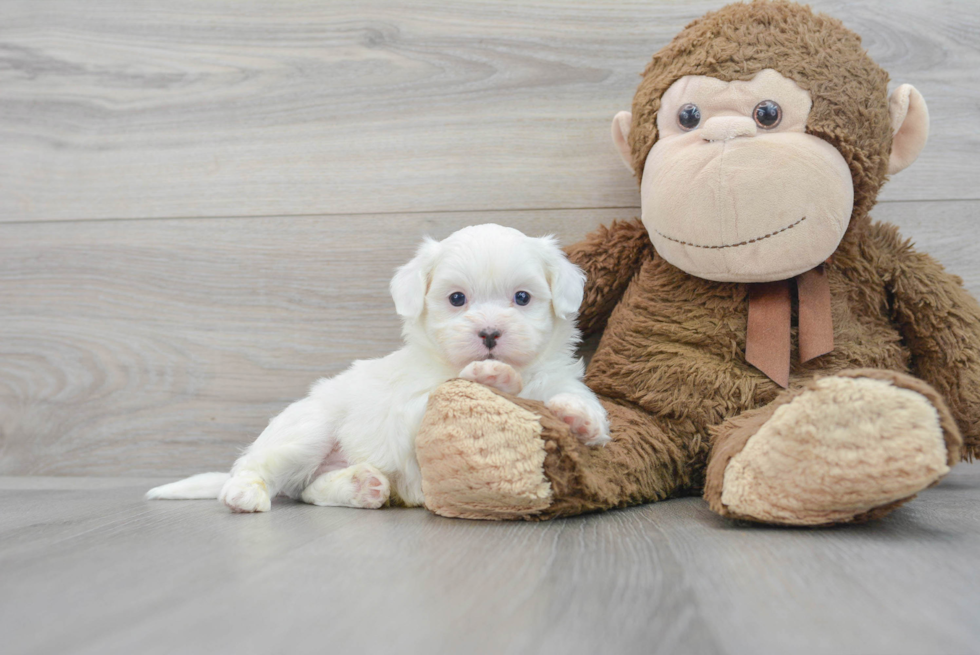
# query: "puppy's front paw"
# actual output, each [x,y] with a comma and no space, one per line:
[492,373]
[586,418]
[246,493]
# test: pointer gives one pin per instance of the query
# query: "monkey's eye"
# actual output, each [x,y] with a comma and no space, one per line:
[457,299]
[767,114]
[689,116]
[522,298]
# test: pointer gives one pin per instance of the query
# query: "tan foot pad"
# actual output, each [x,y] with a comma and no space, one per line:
[481,455]
[840,449]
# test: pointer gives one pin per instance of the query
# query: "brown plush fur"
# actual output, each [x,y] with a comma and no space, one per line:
[674,344]
[671,366]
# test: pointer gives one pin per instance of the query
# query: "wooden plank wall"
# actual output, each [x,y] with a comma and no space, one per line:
[201,201]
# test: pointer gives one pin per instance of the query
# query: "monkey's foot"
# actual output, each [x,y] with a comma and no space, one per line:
[486,455]
[845,448]
[481,455]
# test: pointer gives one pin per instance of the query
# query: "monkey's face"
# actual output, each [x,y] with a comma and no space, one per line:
[735,190]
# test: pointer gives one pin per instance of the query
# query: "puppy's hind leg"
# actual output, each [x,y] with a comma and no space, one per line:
[284,457]
[360,485]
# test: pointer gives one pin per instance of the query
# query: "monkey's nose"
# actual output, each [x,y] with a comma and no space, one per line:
[489,337]
[725,128]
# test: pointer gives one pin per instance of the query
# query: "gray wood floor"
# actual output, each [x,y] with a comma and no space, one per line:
[87,566]
[201,202]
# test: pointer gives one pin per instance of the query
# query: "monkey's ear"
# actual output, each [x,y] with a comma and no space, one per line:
[910,126]
[620,131]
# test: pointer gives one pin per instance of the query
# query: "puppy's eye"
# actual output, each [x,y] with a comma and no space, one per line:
[522,298]
[457,299]
[767,114]
[689,116]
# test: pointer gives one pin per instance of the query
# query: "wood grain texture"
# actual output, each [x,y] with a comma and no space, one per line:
[161,347]
[151,347]
[274,108]
[95,569]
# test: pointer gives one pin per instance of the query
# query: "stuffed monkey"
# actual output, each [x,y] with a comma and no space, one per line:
[764,343]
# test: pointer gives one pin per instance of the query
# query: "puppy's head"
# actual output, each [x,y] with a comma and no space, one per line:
[489,292]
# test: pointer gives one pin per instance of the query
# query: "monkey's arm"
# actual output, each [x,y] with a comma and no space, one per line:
[610,257]
[940,324]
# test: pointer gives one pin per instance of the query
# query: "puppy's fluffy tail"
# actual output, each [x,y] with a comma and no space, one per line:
[202,485]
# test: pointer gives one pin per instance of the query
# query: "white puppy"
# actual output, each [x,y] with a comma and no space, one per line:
[487,304]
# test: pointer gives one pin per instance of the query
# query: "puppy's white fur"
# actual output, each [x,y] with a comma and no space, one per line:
[351,441]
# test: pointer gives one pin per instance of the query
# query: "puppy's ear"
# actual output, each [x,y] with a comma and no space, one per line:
[567,281]
[411,281]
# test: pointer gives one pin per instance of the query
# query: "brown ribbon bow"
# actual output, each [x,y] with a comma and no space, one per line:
[767,340]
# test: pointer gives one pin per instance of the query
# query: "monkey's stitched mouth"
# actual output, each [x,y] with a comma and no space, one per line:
[730,245]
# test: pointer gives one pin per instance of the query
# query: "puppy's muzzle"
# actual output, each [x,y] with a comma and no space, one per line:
[489,337]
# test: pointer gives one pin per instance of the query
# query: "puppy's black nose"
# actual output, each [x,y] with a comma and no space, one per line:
[489,337]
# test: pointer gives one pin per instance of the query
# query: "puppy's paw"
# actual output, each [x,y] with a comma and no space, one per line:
[492,373]
[371,487]
[246,493]
[585,416]
[360,485]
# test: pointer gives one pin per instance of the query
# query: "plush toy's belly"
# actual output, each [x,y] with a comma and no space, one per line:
[675,346]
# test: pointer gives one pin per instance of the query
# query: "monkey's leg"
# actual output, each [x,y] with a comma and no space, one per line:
[843,448]
[487,455]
